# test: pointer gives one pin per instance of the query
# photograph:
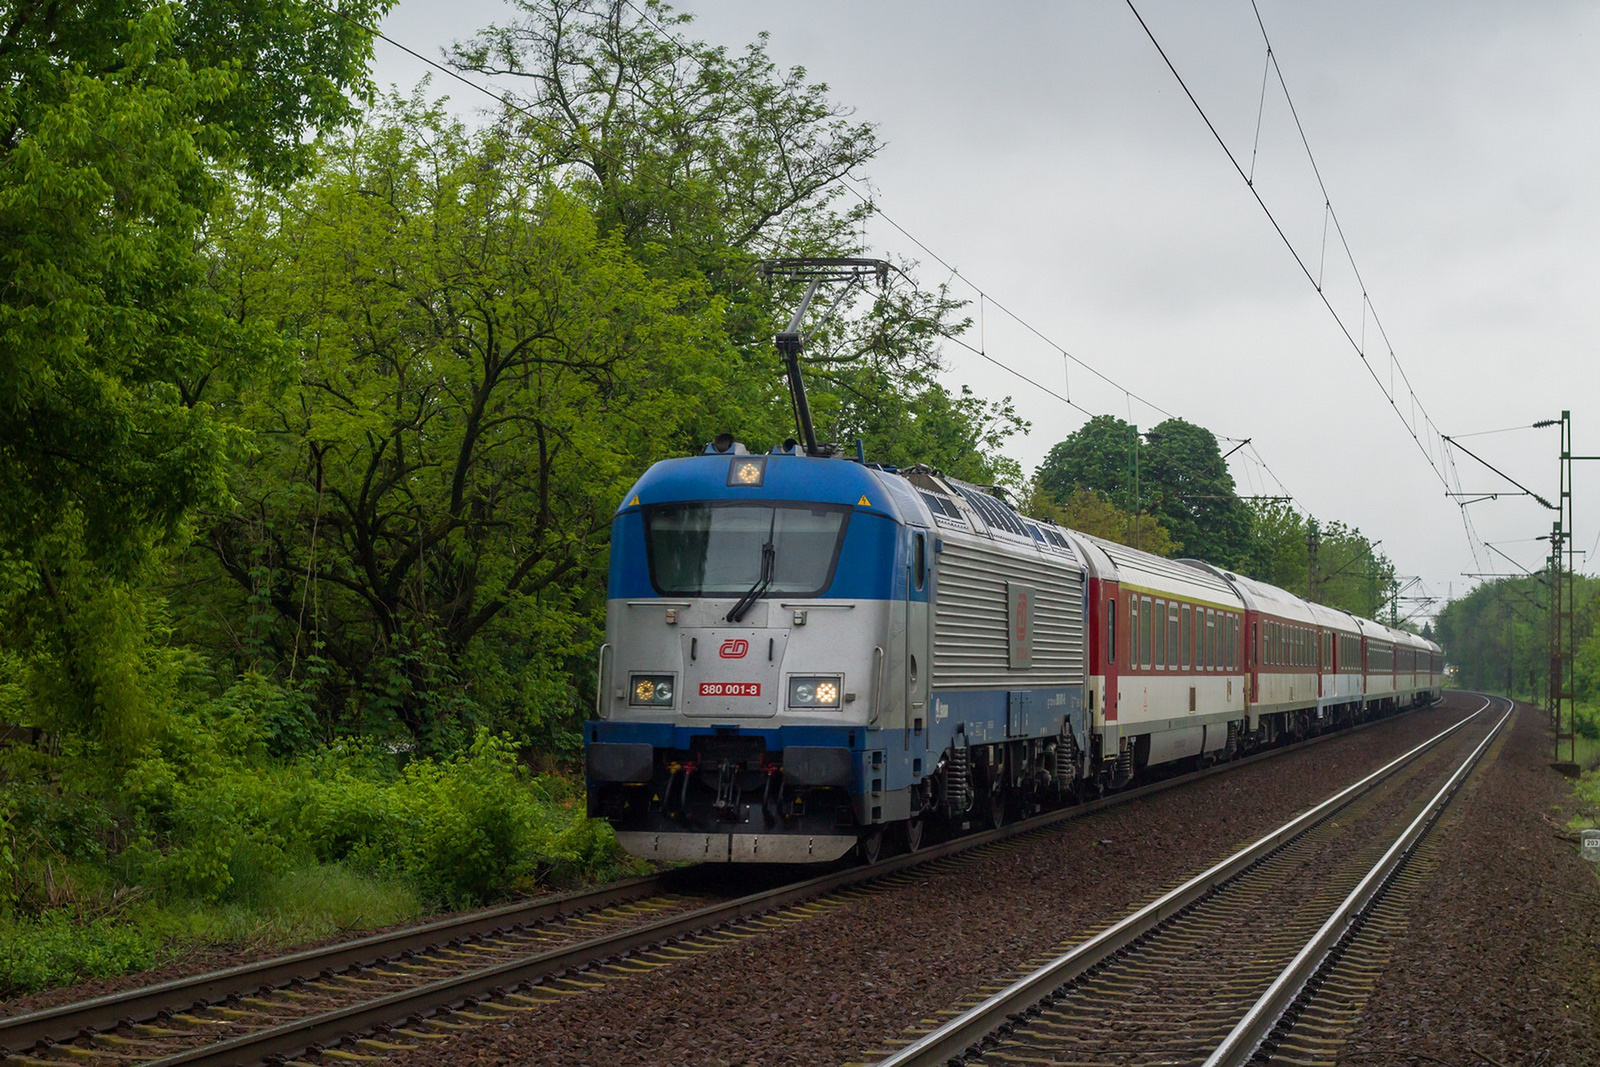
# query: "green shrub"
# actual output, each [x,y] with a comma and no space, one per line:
[61,946]
[226,824]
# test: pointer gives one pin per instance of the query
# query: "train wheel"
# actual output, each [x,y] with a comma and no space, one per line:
[870,845]
[914,828]
[991,799]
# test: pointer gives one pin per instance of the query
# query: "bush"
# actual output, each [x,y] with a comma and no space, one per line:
[63,946]
[227,823]
[463,830]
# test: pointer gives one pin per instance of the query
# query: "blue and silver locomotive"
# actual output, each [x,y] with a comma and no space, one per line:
[803,651]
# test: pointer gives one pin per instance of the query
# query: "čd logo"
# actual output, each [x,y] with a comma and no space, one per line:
[734,648]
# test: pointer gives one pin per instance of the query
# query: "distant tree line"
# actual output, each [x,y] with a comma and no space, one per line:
[1497,638]
[1168,491]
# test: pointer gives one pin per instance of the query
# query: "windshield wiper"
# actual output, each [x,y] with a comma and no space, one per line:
[769,555]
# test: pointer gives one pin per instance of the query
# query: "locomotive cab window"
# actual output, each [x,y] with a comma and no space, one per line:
[729,549]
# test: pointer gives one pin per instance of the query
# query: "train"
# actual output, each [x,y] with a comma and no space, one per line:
[807,655]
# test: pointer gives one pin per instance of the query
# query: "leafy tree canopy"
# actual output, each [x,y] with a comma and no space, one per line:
[116,117]
[1348,573]
[1091,512]
[1186,482]
[120,124]
[1498,637]
[1098,455]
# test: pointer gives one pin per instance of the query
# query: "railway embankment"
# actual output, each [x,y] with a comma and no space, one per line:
[1476,953]
[823,990]
[1498,963]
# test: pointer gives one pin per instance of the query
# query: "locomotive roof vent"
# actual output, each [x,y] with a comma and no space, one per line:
[725,445]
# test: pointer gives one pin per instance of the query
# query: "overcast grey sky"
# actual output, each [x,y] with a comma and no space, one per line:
[1045,150]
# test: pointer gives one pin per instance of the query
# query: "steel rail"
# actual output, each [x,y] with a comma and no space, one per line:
[971,1026]
[102,1013]
[1240,1046]
[65,1022]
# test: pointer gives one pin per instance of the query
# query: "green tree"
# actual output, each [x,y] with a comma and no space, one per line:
[1091,512]
[1101,455]
[705,160]
[1278,551]
[482,375]
[1184,480]
[1497,636]
[117,120]
[1352,574]
[702,159]
[1349,572]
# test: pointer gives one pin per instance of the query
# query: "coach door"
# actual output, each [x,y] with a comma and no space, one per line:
[917,624]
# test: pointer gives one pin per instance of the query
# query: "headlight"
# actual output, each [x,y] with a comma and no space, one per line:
[650,690]
[814,692]
[748,472]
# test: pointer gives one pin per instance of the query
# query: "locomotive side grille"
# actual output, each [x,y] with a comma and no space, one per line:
[970,648]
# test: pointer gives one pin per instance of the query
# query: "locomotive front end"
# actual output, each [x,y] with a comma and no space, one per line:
[749,615]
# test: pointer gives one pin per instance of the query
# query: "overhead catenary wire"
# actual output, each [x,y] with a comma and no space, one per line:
[507,99]
[1357,345]
[986,298]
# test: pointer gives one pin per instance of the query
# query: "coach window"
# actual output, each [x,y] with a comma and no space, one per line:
[1145,614]
[1185,630]
[1211,639]
[1158,625]
[1172,636]
[1233,643]
[1133,632]
[1111,630]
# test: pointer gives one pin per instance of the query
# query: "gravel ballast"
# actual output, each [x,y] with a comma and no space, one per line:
[824,990]
[1500,962]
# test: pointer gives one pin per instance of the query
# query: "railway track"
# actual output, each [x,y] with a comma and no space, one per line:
[1263,957]
[402,990]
